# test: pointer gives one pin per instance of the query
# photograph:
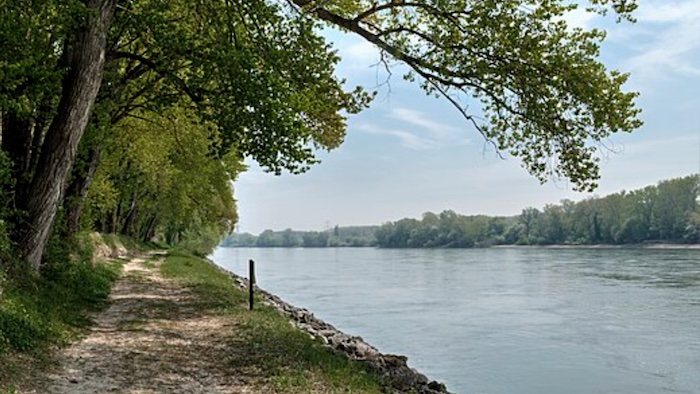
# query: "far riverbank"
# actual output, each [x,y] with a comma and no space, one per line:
[660,246]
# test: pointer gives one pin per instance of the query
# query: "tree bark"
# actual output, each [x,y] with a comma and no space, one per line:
[78,190]
[130,217]
[112,221]
[80,87]
[150,229]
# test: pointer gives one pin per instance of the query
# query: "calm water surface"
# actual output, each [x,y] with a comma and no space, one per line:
[507,321]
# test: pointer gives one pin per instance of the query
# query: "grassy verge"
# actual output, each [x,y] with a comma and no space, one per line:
[280,357]
[38,312]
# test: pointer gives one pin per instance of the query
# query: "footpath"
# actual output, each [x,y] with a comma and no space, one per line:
[152,338]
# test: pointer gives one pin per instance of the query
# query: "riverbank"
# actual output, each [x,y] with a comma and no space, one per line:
[393,370]
[179,324]
[665,246]
[653,246]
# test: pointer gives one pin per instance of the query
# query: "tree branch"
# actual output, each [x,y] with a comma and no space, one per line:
[179,82]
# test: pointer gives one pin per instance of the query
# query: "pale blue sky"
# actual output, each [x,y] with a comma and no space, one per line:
[409,153]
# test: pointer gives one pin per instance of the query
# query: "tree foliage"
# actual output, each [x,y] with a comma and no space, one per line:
[546,98]
[158,178]
[666,212]
[265,79]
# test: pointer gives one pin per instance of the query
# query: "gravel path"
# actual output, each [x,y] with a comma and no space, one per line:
[152,339]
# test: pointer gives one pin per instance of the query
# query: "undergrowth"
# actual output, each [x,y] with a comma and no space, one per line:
[41,310]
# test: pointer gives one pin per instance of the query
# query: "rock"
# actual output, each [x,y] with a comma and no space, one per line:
[437,386]
[420,378]
[394,361]
[326,332]
[364,351]
[337,339]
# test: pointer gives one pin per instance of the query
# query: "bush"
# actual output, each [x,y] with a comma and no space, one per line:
[202,242]
[19,330]
[35,311]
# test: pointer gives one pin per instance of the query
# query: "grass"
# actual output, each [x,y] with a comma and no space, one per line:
[281,358]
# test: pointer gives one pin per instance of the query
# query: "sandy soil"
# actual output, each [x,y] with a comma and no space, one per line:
[152,339]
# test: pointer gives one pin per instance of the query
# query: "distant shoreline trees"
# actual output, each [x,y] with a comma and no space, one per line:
[668,212]
[358,236]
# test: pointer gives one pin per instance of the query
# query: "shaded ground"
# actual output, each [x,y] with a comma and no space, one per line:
[154,338]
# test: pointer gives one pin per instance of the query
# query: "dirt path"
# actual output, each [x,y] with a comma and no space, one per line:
[152,339]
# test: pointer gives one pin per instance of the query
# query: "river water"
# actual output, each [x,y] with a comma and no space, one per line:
[506,321]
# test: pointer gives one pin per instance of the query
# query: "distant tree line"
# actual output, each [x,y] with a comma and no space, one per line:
[337,237]
[667,212]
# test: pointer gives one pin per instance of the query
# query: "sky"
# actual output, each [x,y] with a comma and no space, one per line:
[409,153]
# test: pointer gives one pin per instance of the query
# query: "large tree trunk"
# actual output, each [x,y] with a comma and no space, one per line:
[80,87]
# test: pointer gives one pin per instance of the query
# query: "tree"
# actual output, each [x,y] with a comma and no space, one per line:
[83,57]
[268,238]
[264,79]
[531,222]
[316,239]
[676,202]
[621,218]
[290,239]
[612,210]
[259,72]
[551,228]
[692,230]
[643,203]
[543,92]
[164,180]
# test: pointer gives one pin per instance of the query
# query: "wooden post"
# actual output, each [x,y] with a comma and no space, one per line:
[251,282]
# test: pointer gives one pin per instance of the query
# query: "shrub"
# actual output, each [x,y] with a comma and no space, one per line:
[20,329]
[35,310]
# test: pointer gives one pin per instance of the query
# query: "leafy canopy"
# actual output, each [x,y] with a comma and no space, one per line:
[260,71]
[546,98]
[157,171]
[264,79]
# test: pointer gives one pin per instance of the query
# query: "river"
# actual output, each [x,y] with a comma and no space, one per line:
[506,321]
